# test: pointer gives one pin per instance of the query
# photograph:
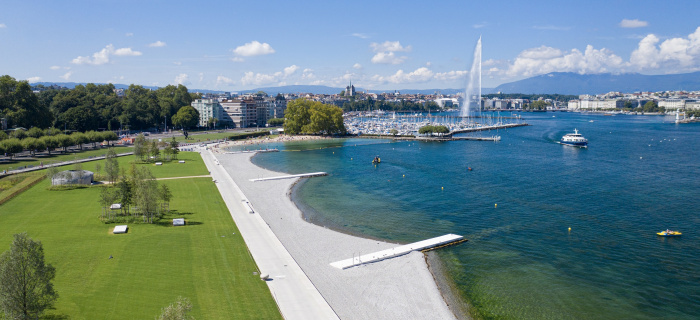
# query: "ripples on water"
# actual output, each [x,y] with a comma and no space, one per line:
[639,176]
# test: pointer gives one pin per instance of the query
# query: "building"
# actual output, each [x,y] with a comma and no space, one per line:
[350,90]
[208,108]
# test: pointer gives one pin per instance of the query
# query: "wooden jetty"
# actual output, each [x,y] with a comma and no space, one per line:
[291,176]
[432,243]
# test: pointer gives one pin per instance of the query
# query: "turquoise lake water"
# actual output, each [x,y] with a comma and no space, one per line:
[640,175]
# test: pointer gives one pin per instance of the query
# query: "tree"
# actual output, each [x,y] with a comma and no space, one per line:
[275,122]
[35,132]
[111,165]
[25,279]
[79,139]
[12,146]
[186,117]
[433,129]
[154,150]
[18,134]
[394,132]
[64,141]
[177,310]
[140,147]
[50,143]
[305,116]
[165,195]
[175,150]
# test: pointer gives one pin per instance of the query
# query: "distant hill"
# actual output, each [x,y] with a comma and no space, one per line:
[574,83]
[71,85]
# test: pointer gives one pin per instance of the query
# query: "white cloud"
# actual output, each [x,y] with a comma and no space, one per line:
[67,75]
[129,34]
[3,26]
[54,67]
[451,75]
[157,44]
[126,52]
[360,35]
[254,48]
[385,52]
[308,74]
[422,74]
[177,63]
[672,55]
[224,80]
[290,70]
[259,78]
[357,66]
[102,56]
[237,59]
[479,25]
[547,59]
[388,58]
[33,79]
[182,78]
[389,46]
[251,78]
[635,23]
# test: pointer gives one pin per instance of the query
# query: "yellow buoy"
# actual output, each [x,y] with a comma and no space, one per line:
[569,229]
[404,175]
[495,205]
[333,152]
[443,188]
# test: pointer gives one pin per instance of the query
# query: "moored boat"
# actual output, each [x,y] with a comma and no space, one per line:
[574,139]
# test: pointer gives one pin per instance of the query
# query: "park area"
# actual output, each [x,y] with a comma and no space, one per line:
[100,275]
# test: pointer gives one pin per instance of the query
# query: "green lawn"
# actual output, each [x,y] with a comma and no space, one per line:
[205,261]
[56,157]
[193,166]
[196,137]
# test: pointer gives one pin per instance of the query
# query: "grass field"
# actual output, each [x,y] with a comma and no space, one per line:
[193,166]
[201,137]
[56,157]
[205,261]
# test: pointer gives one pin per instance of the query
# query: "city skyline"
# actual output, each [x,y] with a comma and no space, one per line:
[226,46]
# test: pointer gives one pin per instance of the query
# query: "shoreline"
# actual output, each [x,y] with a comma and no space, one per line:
[398,288]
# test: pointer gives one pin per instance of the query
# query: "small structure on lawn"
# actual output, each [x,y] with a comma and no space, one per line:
[120,229]
[179,222]
[72,177]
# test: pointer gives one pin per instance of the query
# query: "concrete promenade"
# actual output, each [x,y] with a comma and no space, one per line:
[296,296]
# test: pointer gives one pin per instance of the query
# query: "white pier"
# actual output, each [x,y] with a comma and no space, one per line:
[397,251]
[302,175]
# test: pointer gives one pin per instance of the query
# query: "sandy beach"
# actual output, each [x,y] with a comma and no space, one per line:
[264,140]
[398,288]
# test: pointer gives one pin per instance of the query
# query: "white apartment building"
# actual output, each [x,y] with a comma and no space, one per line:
[207,108]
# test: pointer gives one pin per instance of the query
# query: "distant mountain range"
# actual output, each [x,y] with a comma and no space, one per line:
[574,83]
[555,82]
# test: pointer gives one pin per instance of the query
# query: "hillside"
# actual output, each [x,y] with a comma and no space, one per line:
[574,83]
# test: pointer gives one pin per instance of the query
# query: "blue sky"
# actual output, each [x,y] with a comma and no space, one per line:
[379,45]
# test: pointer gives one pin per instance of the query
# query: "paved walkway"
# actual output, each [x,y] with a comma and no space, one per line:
[296,296]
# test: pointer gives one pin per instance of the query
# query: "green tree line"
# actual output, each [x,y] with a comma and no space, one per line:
[90,107]
[35,140]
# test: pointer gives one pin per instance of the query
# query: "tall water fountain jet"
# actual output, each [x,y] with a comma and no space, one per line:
[472,94]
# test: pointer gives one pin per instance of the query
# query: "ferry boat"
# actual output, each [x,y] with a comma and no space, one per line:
[574,139]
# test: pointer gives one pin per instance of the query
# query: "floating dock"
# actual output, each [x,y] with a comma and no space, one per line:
[303,175]
[440,241]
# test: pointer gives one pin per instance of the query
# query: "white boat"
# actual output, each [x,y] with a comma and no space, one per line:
[574,139]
